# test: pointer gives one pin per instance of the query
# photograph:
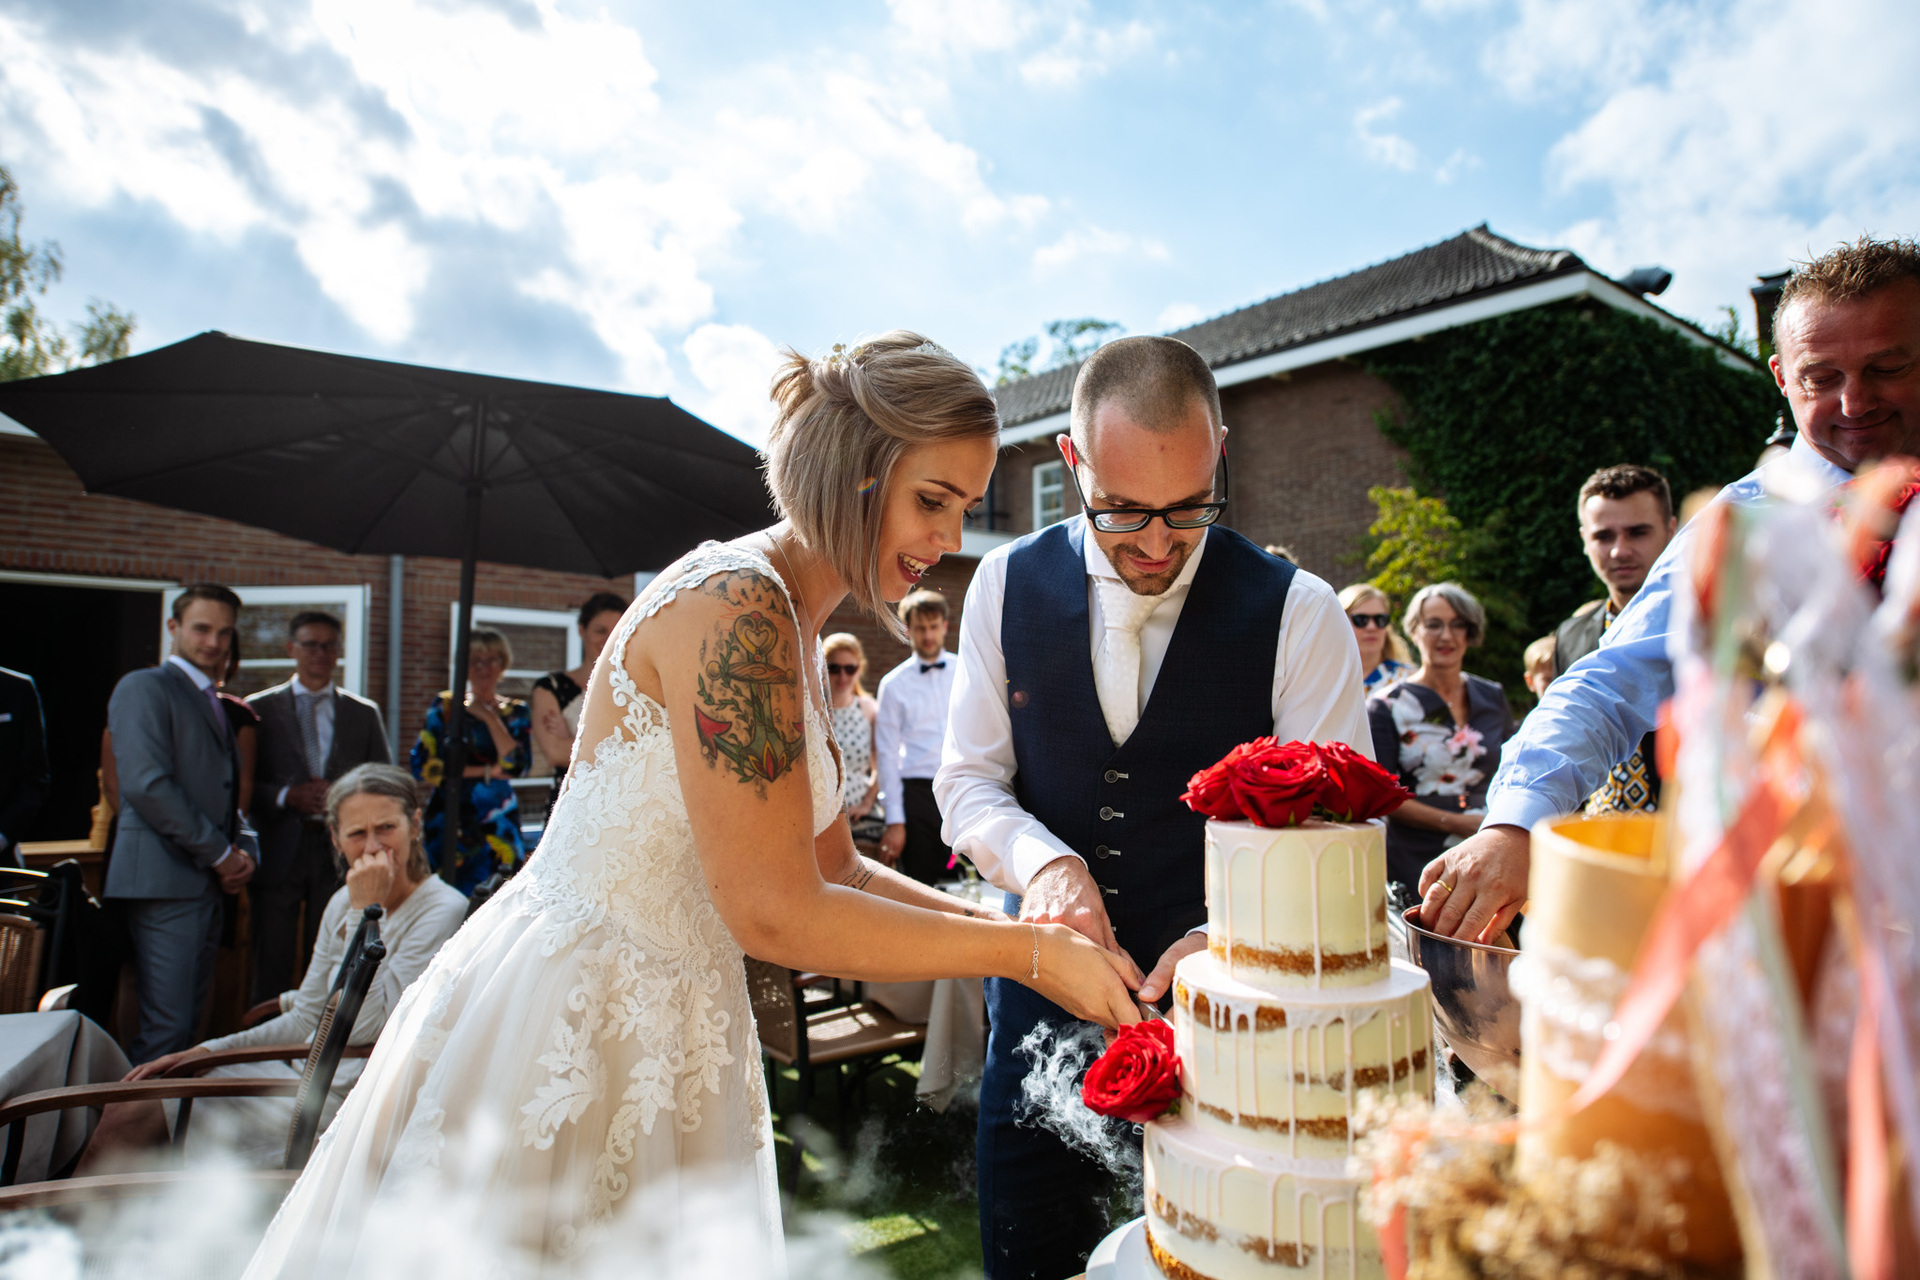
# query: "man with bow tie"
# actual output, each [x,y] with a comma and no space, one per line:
[907,735]
[1106,659]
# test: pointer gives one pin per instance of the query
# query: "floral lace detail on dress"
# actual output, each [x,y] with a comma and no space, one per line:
[617,886]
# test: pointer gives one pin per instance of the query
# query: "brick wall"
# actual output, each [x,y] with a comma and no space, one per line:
[950,578]
[1304,450]
[48,524]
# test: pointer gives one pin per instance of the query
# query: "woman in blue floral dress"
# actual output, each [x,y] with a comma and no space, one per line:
[499,749]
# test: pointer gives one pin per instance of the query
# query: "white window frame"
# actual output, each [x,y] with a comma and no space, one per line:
[566,619]
[1049,477]
[347,601]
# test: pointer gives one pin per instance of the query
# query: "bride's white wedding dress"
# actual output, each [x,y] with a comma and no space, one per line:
[584,1044]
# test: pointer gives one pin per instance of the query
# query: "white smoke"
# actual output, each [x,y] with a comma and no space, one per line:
[1050,1099]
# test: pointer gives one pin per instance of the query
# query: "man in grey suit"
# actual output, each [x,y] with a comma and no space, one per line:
[310,734]
[180,843]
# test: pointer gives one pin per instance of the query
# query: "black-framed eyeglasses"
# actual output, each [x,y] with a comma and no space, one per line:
[843,669]
[1379,620]
[1194,515]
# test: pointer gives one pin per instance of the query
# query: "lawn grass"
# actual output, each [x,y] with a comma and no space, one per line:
[901,1186]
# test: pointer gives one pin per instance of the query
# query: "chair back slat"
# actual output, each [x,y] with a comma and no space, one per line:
[776,1007]
[22,944]
[330,1041]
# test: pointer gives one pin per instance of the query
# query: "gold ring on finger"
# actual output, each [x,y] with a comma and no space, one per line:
[1444,885]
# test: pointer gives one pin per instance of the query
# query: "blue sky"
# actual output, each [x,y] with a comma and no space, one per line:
[653,196]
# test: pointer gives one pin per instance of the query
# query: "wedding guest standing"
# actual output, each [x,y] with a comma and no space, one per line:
[910,726]
[854,712]
[179,843]
[1383,654]
[1106,659]
[1846,337]
[499,749]
[24,775]
[311,732]
[1626,521]
[1440,729]
[556,695]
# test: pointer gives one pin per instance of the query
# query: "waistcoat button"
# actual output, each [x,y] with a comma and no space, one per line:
[1113,775]
[1100,851]
[1107,814]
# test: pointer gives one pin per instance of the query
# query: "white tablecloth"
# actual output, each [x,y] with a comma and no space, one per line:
[955,1011]
[48,1051]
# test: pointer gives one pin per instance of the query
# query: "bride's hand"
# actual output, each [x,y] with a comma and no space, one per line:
[1088,981]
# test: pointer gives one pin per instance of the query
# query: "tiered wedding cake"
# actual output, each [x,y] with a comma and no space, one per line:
[1294,1008]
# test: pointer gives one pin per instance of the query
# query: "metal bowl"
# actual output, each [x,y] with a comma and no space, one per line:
[1478,1014]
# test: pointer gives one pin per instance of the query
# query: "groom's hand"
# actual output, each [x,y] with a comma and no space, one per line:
[1161,978]
[1063,892]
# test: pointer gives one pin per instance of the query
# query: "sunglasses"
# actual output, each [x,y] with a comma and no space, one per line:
[1379,620]
[843,669]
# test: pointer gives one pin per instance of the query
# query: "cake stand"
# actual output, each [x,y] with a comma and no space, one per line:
[1123,1255]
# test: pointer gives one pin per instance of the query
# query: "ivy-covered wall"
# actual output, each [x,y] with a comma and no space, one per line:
[1506,418]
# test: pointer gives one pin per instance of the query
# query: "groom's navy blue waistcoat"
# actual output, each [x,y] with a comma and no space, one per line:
[1119,807]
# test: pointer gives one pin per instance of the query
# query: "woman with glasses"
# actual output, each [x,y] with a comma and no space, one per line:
[499,749]
[1383,654]
[853,712]
[1441,728]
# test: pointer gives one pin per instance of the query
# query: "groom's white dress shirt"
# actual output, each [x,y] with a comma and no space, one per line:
[1318,696]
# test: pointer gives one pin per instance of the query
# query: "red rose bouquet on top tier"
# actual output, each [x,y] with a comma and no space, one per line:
[1282,784]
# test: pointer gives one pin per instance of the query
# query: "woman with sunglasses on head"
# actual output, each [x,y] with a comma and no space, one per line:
[1441,730]
[853,712]
[1383,654]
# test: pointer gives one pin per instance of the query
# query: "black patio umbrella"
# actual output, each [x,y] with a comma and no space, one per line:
[373,456]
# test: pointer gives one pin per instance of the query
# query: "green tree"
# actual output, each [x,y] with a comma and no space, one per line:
[1068,342]
[31,344]
[1503,420]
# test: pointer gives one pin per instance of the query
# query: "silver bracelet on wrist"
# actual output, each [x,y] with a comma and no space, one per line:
[1033,974]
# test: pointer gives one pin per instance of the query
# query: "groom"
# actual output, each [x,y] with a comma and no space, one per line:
[1104,661]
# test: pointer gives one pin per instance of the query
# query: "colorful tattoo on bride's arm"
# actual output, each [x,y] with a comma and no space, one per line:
[747,696]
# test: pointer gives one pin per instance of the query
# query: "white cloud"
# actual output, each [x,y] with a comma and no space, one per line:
[419,122]
[1712,161]
[1389,149]
[1461,161]
[1096,242]
[1082,52]
[1178,315]
[735,364]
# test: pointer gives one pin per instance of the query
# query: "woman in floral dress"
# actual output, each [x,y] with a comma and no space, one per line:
[1441,728]
[499,749]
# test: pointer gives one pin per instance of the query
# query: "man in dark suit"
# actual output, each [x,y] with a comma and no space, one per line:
[24,776]
[1626,521]
[180,842]
[310,734]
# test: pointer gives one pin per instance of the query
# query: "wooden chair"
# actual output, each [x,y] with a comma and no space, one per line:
[22,945]
[323,1056]
[850,1037]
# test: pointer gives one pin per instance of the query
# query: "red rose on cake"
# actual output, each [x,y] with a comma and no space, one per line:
[1138,1077]
[1275,784]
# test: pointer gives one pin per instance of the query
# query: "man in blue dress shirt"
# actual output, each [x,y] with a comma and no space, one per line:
[1847,357]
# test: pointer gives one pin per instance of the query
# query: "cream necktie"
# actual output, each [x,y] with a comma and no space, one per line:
[1116,677]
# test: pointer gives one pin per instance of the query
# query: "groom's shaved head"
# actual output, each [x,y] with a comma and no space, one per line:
[1155,380]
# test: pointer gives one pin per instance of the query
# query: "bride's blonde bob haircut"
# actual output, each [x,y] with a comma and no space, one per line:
[843,422]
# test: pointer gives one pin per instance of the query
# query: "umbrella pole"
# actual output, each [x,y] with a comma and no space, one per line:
[456,757]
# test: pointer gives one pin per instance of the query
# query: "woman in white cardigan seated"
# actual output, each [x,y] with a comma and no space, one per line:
[374,819]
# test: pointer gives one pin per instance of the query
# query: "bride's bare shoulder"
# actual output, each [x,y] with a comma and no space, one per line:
[737,608]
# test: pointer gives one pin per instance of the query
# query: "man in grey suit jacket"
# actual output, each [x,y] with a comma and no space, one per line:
[310,734]
[180,843]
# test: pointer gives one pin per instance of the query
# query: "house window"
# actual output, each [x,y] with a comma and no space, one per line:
[1049,494]
[264,615]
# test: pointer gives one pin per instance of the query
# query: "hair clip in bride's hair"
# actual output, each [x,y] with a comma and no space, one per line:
[932,349]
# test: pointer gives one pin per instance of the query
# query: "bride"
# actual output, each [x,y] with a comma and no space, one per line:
[584,1045]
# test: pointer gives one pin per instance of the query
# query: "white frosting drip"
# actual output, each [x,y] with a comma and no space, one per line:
[1294,906]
